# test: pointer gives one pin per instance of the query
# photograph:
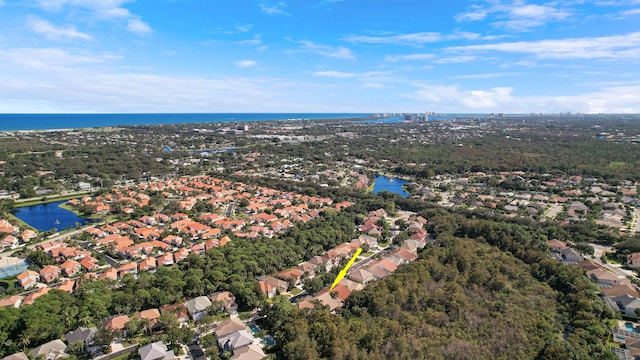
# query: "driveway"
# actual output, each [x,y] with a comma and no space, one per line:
[599,250]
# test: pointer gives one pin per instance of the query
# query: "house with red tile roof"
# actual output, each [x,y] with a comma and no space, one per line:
[127,268]
[89,263]
[178,309]
[148,264]
[28,279]
[31,298]
[308,268]
[148,233]
[212,232]
[224,240]
[179,216]
[110,229]
[70,267]
[294,273]
[49,273]
[7,228]
[556,245]
[173,240]
[111,274]
[198,249]
[149,220]
[67,286]
[47,246]
[9,242]
[116,322]
[211,217]
[27,235]
[122,226]
[162,218]
[12,301]
[166,259]
[181,254]
[271,286]
[342,292]
[96,233]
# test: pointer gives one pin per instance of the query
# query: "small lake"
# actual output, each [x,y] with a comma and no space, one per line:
[45,217]
[393,185]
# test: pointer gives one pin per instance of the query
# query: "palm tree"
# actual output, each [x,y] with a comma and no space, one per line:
[25,341]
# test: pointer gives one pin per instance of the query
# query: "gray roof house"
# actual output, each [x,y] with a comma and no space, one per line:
[81,334]
[52,350]
[197,307]
[627,303]
[236,340]
[229,326]
[251,352]
[16,356]
[156,351]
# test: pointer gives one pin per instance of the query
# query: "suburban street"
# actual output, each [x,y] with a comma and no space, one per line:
[553,212]
[599,250]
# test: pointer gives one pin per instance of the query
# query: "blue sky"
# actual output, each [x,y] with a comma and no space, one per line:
[482,56]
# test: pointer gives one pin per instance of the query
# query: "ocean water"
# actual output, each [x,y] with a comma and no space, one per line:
[72,121]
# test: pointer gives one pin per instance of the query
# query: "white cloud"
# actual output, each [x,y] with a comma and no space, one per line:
[413,39]
[516,15]
[52,32]
[48,59]
[487,75]
[455,59]
[256,41]
[437,96]
[475,13]
[138,26]
[631,12]
[339,52]
[243,28]
[617,3]
[98,9]
[274,9]
[452,98]
[246,63]
[335,74]
[618,47]
[409,57]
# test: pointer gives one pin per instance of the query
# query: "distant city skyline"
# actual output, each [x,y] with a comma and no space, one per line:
[356,56]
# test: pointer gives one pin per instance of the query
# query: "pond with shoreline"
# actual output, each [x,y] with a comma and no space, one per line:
[45,217]
[390,184]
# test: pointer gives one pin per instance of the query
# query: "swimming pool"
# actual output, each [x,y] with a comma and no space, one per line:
[630,327]
[254,328]
[269,341]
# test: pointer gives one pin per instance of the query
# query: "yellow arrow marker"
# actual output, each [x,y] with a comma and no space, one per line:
[343,272]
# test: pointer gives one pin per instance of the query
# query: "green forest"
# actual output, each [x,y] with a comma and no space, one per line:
[489,291]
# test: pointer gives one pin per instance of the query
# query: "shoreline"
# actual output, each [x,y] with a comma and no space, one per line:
[102,120]
[48,200]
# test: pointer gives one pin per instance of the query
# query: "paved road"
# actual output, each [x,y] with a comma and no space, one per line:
[636,214]
[555,209]
[617,269]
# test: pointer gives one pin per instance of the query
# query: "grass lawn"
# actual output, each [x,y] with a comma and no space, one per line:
[20,223]
[367,254]
[611,257]
[617,164]
[50,199]
[295,291]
